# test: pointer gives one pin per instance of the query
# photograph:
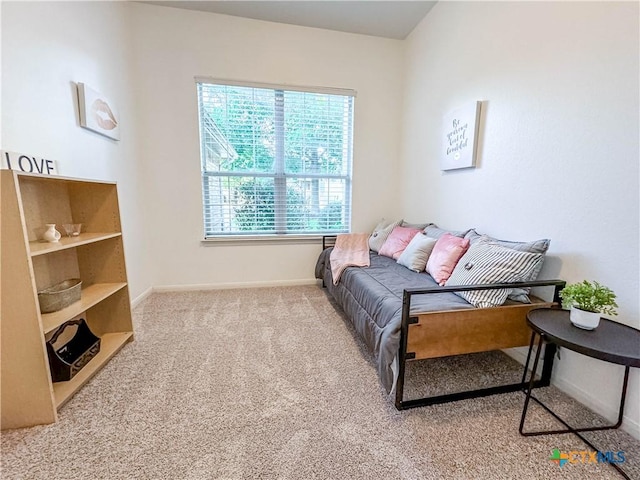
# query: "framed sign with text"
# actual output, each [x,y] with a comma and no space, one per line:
[460,137]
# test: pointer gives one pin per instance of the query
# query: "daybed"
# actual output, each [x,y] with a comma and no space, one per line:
[404,315]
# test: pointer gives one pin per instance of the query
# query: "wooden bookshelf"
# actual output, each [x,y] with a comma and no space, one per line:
[91,295]
[29,264]
[110,344]
[39,247]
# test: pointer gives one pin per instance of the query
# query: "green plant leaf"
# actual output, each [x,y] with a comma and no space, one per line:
[589,296]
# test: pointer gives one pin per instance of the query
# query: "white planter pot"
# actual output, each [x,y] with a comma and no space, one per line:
[584,319]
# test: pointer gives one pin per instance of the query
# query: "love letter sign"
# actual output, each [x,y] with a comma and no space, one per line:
[28,163]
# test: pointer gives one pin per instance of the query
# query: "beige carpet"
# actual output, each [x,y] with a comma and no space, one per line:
[271,383]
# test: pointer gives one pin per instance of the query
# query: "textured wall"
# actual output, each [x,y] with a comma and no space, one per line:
[558,153]
[171,47]
[46,48]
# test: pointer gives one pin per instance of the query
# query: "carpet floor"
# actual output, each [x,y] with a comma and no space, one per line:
[272,383]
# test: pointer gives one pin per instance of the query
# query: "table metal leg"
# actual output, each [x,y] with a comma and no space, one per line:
[526,365]
[569,429]
[531,381]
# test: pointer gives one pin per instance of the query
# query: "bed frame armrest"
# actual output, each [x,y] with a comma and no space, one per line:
[408,320]
[558,284]
[328,241]
[409,292]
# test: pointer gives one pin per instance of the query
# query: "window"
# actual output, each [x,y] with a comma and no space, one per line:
[275,161]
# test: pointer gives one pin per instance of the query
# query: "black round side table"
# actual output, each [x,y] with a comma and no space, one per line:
[611,342]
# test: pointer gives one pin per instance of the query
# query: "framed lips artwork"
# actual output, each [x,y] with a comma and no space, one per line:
[97,113]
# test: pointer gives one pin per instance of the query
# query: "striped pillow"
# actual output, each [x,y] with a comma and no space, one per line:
[537,246]
[487,262]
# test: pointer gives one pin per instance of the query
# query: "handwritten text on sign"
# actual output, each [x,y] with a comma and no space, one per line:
[460,135]
[28,163]
[457,137]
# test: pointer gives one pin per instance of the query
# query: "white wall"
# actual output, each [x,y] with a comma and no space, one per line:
[0,74]
[171,47]
[46,48]
[559,152]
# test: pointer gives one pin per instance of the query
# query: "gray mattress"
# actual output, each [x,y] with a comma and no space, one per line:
[372,298]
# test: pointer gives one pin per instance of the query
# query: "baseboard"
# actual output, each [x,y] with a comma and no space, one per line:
[519,354]
[136,301]
[231,285]
[629,425]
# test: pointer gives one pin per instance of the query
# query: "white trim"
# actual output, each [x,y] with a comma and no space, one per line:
[274,86]
[519,354]
[136,301]
[251,239]
[231,285]
[629,424]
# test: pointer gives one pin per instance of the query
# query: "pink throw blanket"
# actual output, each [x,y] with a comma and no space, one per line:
[350,250]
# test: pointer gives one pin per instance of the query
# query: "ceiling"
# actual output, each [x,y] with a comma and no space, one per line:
[390,19]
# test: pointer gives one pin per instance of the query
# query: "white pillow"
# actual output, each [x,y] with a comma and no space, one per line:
[417,253]
[486,263]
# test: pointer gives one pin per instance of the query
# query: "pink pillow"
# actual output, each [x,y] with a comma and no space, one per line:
[445,256]
[395,244]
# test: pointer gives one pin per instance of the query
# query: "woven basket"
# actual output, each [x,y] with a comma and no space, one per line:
[60,295]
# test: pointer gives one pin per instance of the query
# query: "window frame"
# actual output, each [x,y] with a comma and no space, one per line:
[279,174]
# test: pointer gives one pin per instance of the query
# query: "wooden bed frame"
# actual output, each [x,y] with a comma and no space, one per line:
[457,332]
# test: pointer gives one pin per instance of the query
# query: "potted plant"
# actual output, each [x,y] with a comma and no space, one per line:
[587,300]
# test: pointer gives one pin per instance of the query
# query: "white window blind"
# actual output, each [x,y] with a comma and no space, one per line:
[274,161]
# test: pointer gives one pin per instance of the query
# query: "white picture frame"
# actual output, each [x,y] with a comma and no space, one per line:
[460,137]
[97,113]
